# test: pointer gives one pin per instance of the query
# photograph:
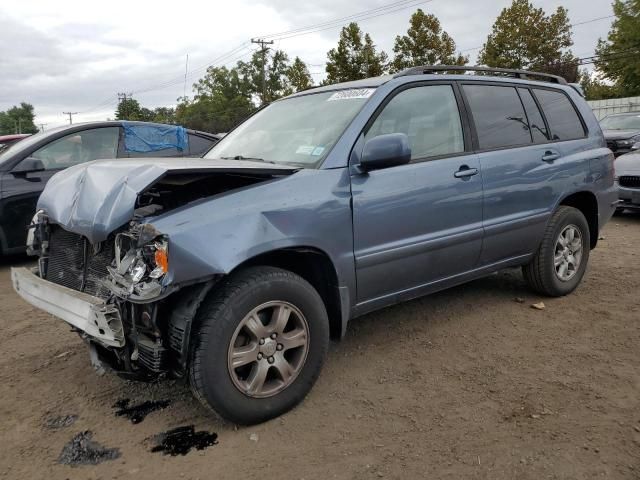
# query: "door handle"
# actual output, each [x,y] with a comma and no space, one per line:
[465,172]
[550,156]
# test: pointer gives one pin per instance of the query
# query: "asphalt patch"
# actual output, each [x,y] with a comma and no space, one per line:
[180,441]
[81,450]
[137,413]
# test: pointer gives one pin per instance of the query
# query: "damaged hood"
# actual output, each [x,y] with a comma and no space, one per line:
[93,199]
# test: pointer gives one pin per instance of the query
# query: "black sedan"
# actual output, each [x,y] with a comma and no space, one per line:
[26,167]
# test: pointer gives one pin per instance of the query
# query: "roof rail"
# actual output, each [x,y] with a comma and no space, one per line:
[509,71]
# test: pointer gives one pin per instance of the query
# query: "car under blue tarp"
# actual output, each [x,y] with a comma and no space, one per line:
[144,138]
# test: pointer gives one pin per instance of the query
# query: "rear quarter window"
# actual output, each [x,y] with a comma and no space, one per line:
[563,120]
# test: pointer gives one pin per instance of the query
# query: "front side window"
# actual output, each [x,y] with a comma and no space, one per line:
[563,119]
[79,147]
[297,131]
[428,115]
[498,116]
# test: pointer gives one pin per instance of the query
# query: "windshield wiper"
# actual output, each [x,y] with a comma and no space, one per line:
[240,157]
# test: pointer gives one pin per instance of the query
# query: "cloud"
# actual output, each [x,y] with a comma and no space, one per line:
[74,55]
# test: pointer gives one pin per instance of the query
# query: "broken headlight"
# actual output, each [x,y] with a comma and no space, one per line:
[140,264]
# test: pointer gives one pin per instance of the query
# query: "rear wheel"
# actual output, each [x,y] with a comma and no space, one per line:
[560,263]
[262,340]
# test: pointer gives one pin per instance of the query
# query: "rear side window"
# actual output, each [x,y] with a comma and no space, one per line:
[428,115]
[498,116]
[536,123]
[198,145]
[563,119]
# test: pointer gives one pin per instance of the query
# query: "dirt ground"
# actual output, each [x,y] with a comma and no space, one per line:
[467,383]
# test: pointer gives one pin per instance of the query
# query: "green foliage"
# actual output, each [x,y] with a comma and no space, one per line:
[596,89]
[525,37]
[18,120]
[223,98]
[275,83]
[425,44]
[354,57]
[129,109]
[619,57]
[299,76]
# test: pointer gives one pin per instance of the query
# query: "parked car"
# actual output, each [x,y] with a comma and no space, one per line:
[622,132]
[7,140]
[235,270]
[26,167]
[628,179]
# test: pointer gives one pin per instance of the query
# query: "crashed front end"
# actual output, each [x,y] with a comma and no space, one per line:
[109,292]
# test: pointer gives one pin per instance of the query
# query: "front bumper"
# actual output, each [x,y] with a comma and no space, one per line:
[629,197]
[92,315]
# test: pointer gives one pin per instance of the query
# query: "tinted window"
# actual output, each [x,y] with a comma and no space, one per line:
[198,145]
[498,115]
[79,147]
[534,118]
[563,120]
[428,115]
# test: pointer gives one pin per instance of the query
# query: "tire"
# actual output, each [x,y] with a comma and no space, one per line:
[224,318]
[541,273]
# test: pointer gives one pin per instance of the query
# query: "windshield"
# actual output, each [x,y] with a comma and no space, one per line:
[621,122]
[299,130]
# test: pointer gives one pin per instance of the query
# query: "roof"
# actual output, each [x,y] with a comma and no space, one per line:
[14,136]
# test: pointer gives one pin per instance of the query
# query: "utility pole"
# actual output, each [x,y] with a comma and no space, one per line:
[264,49]
[71,114]
[186,69]
[123,97]
[42,126]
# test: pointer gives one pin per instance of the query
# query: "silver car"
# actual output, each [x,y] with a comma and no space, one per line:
[628,179]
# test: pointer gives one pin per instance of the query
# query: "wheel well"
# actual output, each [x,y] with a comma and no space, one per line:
[587,203]
[315,267]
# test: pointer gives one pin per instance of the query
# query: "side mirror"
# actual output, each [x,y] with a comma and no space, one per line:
[28,165]
[385,151]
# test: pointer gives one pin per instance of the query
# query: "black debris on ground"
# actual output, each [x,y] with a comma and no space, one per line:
[61,421]
[81,450]
[180,441]
[137,413]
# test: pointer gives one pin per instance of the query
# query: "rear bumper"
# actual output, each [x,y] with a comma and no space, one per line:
[91,315]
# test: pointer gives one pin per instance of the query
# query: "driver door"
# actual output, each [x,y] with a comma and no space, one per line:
[418,225]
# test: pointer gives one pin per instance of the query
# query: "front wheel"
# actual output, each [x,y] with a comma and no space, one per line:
[261,341]
[559,264]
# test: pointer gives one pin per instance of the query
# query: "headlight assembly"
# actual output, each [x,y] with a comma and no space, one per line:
[139,269]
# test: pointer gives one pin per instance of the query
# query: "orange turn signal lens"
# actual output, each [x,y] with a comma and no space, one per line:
[162,259]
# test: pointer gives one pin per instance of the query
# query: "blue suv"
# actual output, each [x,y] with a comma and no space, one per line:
[235,270]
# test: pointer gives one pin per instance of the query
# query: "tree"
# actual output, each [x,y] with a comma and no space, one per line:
[276,82]
[596,89]
[354,58]
[425,44]
[18,120]
[619,55]
[524,37]
[129,109]
[223,98]
[298,75]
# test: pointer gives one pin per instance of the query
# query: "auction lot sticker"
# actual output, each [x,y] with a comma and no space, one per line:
[353,93]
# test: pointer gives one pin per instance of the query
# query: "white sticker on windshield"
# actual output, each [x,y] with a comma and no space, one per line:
[305,149]
[317,151]
[350,94]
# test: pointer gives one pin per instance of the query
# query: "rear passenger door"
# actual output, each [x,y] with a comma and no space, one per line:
[522,161]
[418,223]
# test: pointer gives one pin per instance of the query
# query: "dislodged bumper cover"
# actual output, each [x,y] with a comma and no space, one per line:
[96,198]
[89,314]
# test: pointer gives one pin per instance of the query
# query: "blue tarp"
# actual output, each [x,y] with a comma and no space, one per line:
[141,138]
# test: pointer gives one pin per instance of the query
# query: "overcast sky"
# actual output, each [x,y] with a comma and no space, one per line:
[76,55]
